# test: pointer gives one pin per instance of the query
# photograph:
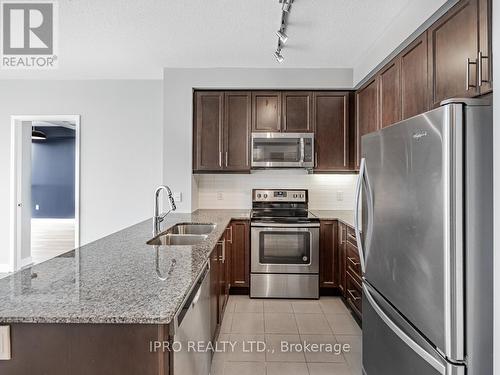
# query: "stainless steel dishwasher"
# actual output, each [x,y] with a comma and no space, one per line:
[192,325]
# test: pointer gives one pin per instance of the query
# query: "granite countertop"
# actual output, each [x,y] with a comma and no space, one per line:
[114,279]
[345,216]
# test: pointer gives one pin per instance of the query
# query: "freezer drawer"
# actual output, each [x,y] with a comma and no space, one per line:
[395,347]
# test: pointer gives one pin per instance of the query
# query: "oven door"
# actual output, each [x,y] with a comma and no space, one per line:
[285,248]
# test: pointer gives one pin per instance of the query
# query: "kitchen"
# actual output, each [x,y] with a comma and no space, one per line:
[245,151]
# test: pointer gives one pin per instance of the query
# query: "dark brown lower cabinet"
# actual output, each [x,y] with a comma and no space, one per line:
[328,254]
[340,267]
[83,349]
[239,238]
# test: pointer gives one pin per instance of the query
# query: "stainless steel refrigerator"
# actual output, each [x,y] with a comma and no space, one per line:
[426,243]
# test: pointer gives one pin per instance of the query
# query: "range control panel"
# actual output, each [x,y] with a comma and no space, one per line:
[272,195]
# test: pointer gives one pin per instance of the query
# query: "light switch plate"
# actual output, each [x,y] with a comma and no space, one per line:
[5,343]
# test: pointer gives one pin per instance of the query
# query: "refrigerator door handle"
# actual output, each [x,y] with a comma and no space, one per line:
[359,183]
[431,360]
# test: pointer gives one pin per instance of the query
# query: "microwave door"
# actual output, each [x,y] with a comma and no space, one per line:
[281,150]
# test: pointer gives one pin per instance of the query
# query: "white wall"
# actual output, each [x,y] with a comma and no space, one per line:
[236,190]
[121,123]
[178,109]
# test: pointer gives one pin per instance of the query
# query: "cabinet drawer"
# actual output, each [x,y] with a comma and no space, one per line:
[351,236]
[353,293]
[353,263]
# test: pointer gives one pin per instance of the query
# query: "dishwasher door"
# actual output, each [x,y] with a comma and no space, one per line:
[193,326]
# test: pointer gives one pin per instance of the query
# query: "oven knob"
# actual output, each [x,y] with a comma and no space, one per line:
[304,258]
[265,196]
[258,195]
[302,195]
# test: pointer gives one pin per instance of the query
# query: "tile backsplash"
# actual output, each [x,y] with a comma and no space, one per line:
[326,192]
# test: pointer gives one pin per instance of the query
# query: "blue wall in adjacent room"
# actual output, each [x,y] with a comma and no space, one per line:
[53,174]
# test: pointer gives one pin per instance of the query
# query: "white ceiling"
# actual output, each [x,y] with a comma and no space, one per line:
[137,38]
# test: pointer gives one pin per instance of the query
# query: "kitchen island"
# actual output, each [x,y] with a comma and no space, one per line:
[95,309]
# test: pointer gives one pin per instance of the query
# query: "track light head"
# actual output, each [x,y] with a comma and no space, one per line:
[279,57]
[287,4]
[283,37]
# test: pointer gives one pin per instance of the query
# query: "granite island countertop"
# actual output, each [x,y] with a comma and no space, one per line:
[114,279]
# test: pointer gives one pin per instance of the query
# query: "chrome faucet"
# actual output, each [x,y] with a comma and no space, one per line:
[157,218]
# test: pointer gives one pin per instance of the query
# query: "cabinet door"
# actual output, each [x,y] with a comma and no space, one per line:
[266,111]
[341,265]
[452,40]
[331,128]
[208,130]
[389,94]
[240,253]
[214,292]
[328,254]
[486,84]
[414,78]
[366,113]
[237,128]
[297,111]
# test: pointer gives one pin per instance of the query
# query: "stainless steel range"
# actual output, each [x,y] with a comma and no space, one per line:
[284,245]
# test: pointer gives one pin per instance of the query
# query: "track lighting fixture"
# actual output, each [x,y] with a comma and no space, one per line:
[286,5]
[281,33]
[283,37]
[279,57]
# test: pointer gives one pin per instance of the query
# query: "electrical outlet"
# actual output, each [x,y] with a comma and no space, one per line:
[5,343]
[178,197]
[340,196]
[220,196]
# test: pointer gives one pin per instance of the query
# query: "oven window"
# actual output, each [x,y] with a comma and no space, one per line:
[284,247]
[276,150]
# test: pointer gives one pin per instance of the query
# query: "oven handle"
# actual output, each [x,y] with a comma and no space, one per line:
[280,225]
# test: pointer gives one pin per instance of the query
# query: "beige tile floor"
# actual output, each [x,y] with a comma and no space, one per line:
[272,322]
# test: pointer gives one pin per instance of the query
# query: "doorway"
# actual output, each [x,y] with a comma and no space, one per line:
[45,187]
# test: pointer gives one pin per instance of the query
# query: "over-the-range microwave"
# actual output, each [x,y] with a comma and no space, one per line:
[282,150]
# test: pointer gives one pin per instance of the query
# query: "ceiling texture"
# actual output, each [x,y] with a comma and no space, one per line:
[134,39]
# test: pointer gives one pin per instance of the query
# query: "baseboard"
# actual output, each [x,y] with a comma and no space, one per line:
[5,268]
[26,262]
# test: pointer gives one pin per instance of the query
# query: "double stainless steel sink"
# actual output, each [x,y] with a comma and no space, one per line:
[183,234]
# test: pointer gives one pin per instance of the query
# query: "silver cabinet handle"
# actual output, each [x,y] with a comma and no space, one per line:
[467,74]
[362,167]
[480,59]
[223,244]
[316,159]
[353,262]
[351,294]
[230,231]
[220,159]
[226,159]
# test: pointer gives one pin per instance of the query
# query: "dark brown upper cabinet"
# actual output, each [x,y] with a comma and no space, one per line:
[237,129]
[414,78]
[453,51]
[297,111]
[208,120]
[222,122]
[390,93]
[485,26]
[331,128]
[266,111]
[366,113]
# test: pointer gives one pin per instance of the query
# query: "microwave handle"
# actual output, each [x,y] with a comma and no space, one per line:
[302,150]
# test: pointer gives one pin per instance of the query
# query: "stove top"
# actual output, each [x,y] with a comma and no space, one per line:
[283,206]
